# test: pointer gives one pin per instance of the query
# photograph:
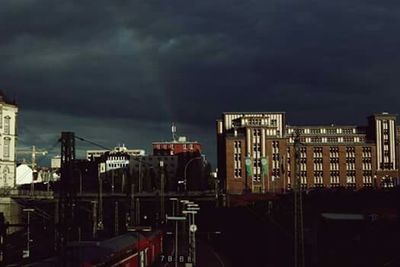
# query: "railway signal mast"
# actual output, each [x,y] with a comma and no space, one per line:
[298,207]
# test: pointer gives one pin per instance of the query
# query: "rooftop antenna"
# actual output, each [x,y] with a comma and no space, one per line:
[173,129]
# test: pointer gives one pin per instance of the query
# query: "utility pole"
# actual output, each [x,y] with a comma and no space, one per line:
[33,152]
[123,182]
[132,205]
[100,225]
[94,219]
[162,191]
[67,189]
[116,221]
[112,182]
[299,260]
[27,252]
[140,174]
[137,211]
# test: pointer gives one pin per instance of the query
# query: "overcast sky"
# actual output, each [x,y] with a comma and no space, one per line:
[121,71]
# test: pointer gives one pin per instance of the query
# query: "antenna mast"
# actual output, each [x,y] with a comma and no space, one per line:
[173,129]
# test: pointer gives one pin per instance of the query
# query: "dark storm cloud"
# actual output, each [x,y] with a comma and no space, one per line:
[153,62]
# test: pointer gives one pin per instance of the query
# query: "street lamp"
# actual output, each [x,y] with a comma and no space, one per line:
[216,184]
[186,166]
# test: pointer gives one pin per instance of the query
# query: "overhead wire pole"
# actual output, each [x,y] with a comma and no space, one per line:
[67,190]
[162,192]
[299,260]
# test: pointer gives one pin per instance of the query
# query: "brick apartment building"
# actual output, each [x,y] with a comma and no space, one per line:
[256,153]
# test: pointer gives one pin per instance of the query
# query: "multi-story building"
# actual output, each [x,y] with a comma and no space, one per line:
[8,136]
[190,163]
[98,153]
[174,147]
[256,153]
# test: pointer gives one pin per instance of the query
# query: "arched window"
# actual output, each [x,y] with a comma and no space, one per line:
[6,149]
[7,125]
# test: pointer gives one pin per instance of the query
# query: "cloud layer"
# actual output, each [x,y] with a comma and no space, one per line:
[144,64]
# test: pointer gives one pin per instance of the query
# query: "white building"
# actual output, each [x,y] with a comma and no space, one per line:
[25,175]
[56,162]
[93,154]
[8,136]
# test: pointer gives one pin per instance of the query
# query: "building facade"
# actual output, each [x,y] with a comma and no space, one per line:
[174,147]
[8,139]
[256,153]
[147,170]
[191,164]
[98,153]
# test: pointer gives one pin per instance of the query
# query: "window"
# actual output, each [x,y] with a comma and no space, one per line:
[318,179]
[331,131]
[237,157]
[347,130]
[334,178]
[7,147]
[315,131]
[7,125]
[316,139]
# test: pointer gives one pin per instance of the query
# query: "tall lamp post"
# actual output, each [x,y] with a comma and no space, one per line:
[216,184]
[26,253]
[186,166]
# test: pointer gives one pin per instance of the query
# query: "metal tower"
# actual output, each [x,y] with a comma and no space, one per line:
[67,190]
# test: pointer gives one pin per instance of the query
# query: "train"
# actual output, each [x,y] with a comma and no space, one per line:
[133,249]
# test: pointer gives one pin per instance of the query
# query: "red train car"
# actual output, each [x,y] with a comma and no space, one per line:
[132,249]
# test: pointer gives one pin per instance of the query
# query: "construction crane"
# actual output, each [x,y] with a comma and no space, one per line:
[33,153]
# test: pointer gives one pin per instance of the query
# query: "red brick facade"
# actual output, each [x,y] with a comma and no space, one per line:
[331,156]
